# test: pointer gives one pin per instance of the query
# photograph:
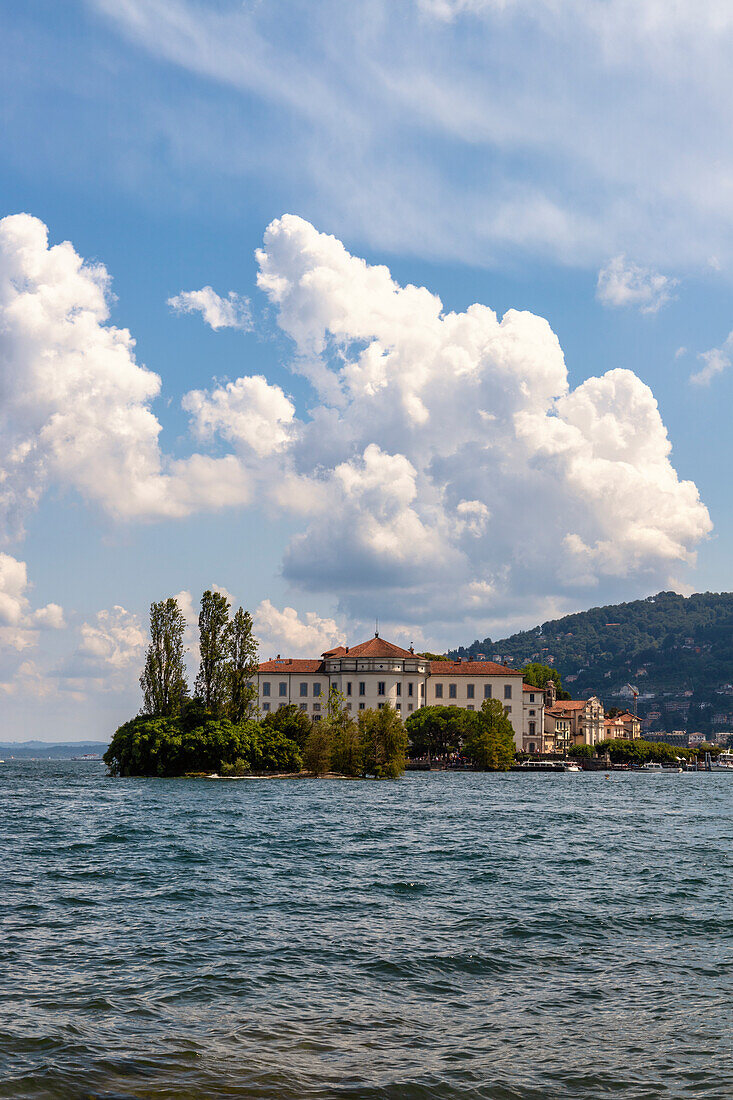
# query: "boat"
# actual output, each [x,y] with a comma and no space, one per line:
[546,766]
[723,761]
[651,766]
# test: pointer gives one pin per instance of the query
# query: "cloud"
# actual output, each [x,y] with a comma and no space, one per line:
[287,633]
[250,413]
[76,404]
[19,623]
[115,640]
[581,129]
[716,361]
[623,283]
[230,312]
[455,464]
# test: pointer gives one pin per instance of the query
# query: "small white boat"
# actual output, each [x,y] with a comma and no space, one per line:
[724,761]
[651,767]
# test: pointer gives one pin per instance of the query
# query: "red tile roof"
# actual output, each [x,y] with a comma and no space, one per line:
[292,664]
[530,687]
[337,652]
[472,668]
[377,647]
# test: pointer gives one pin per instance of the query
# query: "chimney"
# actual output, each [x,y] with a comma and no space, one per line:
[278,657]
[347,649]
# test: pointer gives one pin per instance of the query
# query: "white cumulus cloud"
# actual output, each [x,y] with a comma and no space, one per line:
[230,312]
[451,454]
[19,622]
[288,633]
[75,403]
[624,283]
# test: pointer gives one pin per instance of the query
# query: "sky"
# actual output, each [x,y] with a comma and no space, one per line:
[417,310]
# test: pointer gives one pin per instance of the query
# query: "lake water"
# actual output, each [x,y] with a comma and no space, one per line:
[466,936]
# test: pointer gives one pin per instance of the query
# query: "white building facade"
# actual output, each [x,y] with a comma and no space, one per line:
[377,672]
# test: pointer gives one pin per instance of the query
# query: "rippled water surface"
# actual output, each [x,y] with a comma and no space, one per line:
[447,936]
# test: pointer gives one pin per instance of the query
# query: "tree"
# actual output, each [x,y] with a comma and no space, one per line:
[317,752]
[538,675]
[383,742]
[163,680]
[243,666]
[490,740]
[346,752]
[215,629]
[291,722]
[437,730]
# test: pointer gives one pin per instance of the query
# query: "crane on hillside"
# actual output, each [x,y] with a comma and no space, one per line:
[635,692]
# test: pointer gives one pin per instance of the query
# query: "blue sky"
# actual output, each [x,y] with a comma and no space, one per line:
[336,447]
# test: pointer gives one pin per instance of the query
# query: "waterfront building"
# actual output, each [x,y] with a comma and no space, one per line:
[376,672]
[624,727]
[574,722]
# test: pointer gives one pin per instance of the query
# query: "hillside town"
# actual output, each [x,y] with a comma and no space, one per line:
[376,672]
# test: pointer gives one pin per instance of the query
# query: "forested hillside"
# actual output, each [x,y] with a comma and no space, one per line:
[677,650]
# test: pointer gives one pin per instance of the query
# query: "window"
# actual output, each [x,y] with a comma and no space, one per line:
[266,706]
[381,687]
[409,706]
[380,706]
[266,688]
[348,687]
[304,706]
[316,706]
[531,697]
[316,717]
[410,688]
[316,690]
[398,706]
[531,746]
[487,691]
[507,711]
[470,691]
[532,728]
[303,691]
[282,705]
[470,707]
[348,706]
[531,714]
[362,689]
[361,706]
[438,691]
[282,688]
[452,691]
[507,691]
[399,689]
[422,691]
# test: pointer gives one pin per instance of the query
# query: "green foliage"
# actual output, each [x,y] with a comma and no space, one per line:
[346,748]
[291,722]
[490,738]
[640,752]
[539,676]
[434,656]
[243,665]
[582,752]
[383,741]
[163,680]
[317,752]
[437,730]
[215,632]
[197,742]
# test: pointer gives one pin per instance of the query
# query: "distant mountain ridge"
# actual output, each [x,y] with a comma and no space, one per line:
[57,750]
[678,651]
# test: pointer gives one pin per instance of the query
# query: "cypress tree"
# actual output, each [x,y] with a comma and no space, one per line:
[215,630]
[163,679]
[243,665]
